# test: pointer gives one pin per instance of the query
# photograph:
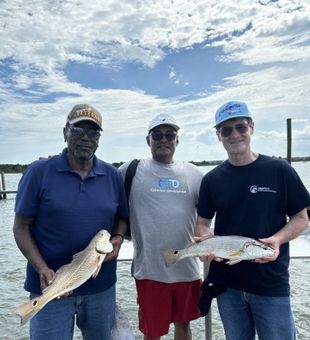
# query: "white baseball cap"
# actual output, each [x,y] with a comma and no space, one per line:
[163,119]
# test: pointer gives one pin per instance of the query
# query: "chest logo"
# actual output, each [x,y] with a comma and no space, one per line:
[168,183]
[255,189]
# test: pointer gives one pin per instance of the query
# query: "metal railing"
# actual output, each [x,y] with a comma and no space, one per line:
[208,317]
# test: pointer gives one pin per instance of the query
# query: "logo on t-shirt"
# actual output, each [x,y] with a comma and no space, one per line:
[255,189]
[168,185]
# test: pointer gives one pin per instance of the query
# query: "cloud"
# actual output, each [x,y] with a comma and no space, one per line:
[263,46]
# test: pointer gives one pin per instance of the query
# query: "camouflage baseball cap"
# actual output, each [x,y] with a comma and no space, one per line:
[81,112]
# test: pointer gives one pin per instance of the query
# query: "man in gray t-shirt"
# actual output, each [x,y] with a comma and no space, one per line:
[162,206]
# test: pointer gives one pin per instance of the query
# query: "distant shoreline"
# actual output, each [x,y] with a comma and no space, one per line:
[20,168]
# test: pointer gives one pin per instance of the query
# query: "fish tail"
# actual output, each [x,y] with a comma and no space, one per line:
[27,310]
[171,256]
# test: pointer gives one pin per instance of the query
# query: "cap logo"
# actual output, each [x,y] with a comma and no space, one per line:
[230,109]
[88,113]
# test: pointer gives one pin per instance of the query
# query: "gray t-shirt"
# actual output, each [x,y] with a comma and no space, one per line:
[162,209]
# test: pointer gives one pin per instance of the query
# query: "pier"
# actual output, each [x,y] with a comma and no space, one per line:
[3,191]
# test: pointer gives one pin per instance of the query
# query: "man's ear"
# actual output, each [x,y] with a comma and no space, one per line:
[251,127]
[64,130]
[148,140]
[218,135]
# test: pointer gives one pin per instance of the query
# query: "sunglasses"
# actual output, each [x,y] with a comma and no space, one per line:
[79,132]
[158,136]
[226,131]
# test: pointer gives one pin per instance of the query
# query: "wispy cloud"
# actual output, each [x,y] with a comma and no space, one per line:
[257,51]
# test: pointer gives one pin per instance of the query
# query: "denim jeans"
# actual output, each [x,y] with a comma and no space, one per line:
[243,313]
[94,315]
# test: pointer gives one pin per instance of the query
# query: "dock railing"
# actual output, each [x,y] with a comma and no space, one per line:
[3,191]
[209,333]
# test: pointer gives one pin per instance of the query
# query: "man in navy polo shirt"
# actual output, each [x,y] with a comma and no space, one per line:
[61,203]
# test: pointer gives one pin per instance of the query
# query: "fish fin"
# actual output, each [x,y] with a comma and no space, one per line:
[189,245]
[235,253]
[80,253]
[27,310]
[233,261]
[98,266]
[171,256]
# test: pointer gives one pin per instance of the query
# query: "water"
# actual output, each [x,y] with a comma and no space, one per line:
[12,269]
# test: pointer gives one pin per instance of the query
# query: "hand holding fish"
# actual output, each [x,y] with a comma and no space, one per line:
[116,241]
[46,277]
[84,265]
[272,243]
[207,257]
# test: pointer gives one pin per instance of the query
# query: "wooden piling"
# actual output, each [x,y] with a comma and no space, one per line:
[289,139]
[2,187]
[208,323]
[3,191]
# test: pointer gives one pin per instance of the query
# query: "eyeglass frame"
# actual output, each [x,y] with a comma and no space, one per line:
[168,135]
[82,131]
[241,128]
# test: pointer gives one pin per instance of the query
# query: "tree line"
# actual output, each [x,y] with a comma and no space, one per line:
[20,168]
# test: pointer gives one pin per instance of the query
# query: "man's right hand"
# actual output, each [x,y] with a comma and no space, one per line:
[47,276]
[208,256]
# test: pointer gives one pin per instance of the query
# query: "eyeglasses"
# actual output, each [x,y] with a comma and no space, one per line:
[158,136]
[226,131]
[79,132]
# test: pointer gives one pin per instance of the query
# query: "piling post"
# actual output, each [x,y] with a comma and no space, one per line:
[208,324]
[289,139]
[2,187]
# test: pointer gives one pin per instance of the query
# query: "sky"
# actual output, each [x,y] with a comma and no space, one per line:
[134,59]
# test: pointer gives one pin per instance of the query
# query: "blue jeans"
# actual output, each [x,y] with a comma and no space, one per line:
[243,313]
[94,315]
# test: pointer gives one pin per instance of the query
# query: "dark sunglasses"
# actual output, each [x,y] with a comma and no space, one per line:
[79,132]
[226,131]
[158,136]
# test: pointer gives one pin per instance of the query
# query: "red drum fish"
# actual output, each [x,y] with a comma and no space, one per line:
[234,248]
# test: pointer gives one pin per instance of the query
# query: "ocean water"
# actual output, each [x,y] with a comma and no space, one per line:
[12,270]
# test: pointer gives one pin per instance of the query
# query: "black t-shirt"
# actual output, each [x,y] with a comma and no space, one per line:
[252,200]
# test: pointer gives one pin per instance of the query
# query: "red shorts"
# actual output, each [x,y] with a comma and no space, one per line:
[162,303]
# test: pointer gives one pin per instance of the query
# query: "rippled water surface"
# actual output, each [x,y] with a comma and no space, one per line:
[12,269]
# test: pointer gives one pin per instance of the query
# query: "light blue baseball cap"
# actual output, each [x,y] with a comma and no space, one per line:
[229,110]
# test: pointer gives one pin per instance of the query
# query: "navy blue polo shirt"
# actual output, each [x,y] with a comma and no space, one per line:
[68,212]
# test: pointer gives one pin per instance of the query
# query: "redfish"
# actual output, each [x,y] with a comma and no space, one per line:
[234,248]
[84,265]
